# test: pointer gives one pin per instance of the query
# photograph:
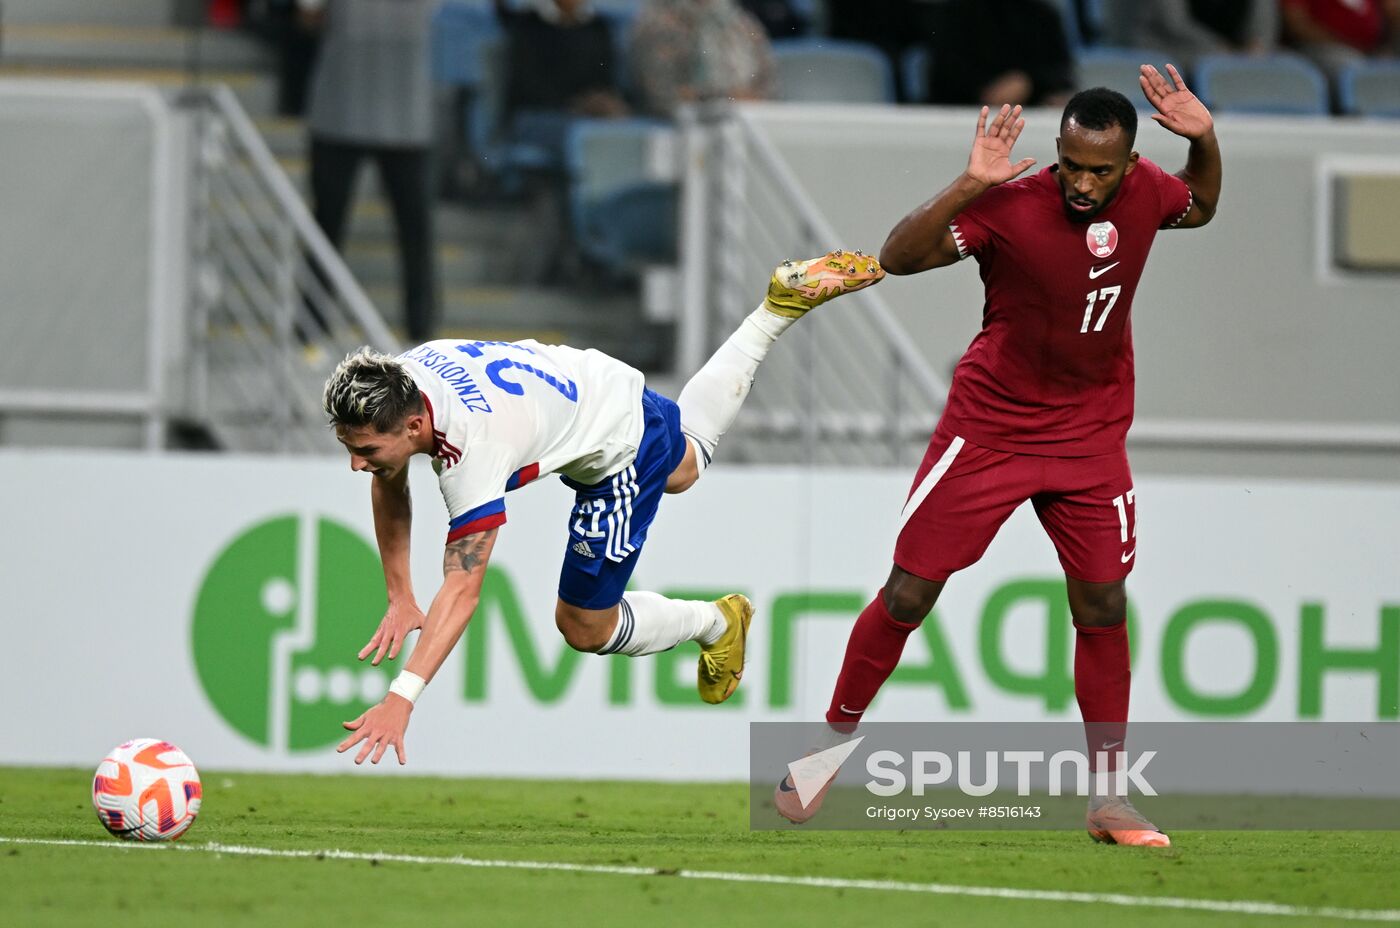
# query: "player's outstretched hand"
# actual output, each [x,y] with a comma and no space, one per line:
[379,727]
[393,629]
[1177,108]
[990,161]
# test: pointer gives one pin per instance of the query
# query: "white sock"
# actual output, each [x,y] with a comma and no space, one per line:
[649,622]
[711,399]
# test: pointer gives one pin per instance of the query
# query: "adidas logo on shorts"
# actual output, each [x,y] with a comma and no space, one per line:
[582,548]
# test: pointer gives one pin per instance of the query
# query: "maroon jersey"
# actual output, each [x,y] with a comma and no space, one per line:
[1051,372]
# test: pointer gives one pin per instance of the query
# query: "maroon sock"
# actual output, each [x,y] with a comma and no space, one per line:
[872,652]
[1101,683]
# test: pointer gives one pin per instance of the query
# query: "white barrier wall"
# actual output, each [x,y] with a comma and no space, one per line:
[219,603]
[92,262]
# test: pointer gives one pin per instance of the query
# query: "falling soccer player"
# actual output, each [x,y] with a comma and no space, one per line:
[1041,402]
[496,415]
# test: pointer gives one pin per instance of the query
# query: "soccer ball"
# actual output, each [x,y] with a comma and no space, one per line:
[146,790]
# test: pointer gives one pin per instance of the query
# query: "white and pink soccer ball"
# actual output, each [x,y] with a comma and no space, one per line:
[146,790]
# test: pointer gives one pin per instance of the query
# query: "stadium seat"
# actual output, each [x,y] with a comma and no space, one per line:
[809,9]
[621,216]
[832,71]
[460,31]
[1118,69]
[469,61]
[463,37]
[1371,88]
[914,66]
[1280,84]
[1111,21]
[1069,20]
[620,20]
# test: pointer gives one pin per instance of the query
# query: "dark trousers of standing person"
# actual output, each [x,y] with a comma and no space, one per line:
[296,56]
[405,174]
[277,22]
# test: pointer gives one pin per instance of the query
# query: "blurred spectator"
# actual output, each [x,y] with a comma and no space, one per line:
[694,50]
[780,19]
[559,65]
[999,51]
[1187,29]
[1336,33]
[892,26]
[371,97]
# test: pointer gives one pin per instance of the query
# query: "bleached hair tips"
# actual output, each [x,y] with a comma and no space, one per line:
[370,388]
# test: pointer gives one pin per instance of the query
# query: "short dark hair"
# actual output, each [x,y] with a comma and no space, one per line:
[369,388]
[1101,108]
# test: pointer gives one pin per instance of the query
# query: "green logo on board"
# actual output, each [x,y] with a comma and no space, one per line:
[278,620]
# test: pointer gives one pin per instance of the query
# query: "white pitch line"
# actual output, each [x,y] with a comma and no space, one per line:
[1240,907]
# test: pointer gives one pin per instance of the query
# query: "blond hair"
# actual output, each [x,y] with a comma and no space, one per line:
[370,388]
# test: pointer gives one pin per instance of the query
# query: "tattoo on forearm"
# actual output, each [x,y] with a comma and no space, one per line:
[468,553]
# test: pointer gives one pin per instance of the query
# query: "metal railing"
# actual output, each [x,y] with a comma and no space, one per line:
[273,306]
[844,386]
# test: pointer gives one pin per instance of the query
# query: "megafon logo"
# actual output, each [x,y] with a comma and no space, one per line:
[278,621]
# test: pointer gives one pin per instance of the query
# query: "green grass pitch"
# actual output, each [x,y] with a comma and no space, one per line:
[667,829]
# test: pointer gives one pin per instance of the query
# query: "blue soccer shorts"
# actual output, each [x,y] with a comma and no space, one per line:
[609,523]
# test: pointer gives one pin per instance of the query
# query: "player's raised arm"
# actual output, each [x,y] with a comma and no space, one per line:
[922,239]
[393,522]
[1180,112]
[463,570]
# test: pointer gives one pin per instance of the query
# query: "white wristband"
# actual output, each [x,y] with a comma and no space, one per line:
[408,685]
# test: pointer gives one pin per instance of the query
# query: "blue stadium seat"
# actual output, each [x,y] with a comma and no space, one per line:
[1282,84]
[1371,88]
[832,71]
[618,7]
[1117,69]
[1111,21]
[620,216]
[1069,19]
[620,20]
[469,60]
[914,66]
[460,32]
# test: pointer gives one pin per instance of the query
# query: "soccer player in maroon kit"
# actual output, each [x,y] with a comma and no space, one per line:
[1041,402]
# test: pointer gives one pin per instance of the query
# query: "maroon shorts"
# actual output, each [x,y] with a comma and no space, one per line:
[964,492]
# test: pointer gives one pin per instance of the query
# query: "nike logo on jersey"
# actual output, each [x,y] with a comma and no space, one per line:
[851,711]
[1096,272]
[1129,556]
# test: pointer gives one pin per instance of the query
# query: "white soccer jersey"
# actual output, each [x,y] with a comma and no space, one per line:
[504,413]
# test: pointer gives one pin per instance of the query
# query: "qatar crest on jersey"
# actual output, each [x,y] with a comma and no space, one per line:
[1102,239]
